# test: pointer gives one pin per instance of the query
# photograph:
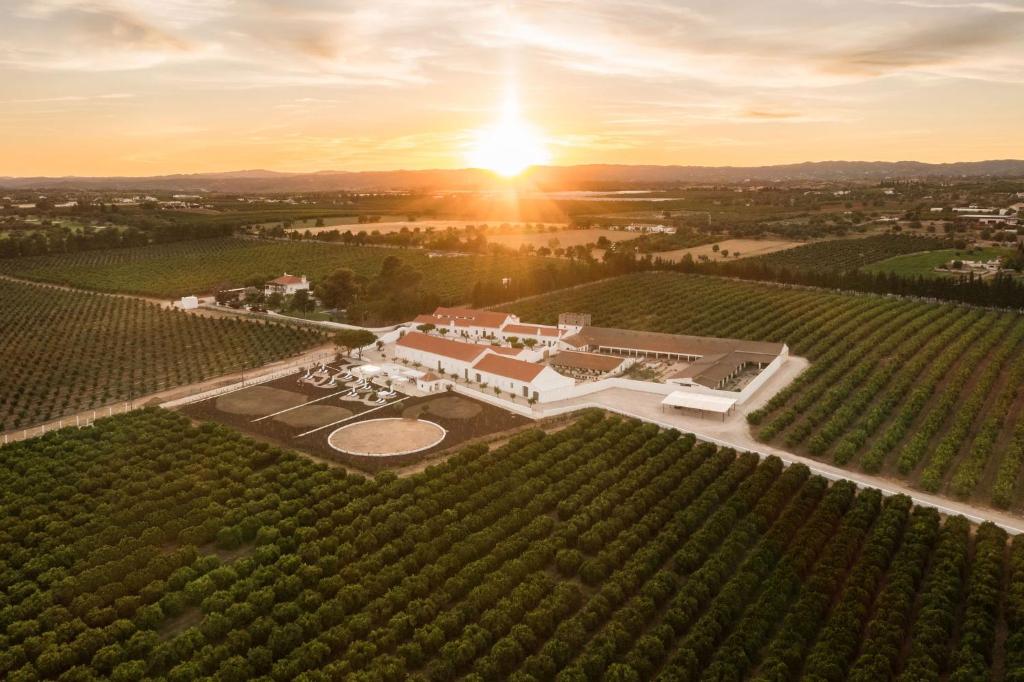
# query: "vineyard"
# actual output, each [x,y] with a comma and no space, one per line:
[850,254]
[924,392]
[182,268]
[144,547]
[63,352]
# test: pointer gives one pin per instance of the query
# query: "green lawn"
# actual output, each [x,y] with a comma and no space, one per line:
[924,264]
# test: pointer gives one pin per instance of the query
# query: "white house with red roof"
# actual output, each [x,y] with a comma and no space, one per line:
[543,336]
[287,285]
[468,322]
[520,378]
[446,356]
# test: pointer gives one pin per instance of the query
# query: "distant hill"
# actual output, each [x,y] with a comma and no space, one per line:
[547,177]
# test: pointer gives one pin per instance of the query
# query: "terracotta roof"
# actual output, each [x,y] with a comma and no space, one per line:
[286,279]
[530,329]
[466,352]
[590,361]
[426,319]
[430,377]
[509,368]
[503,350]
[469,316]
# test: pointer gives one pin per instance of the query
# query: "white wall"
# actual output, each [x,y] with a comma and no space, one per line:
[430,361]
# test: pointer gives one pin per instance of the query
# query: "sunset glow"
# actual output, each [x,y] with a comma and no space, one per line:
[509,146]
[306,85]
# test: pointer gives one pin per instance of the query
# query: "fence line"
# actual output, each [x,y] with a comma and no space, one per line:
[86,418]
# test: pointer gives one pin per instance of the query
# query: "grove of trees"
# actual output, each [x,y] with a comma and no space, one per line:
[145,547]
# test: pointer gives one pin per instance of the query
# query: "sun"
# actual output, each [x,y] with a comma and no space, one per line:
[509,146]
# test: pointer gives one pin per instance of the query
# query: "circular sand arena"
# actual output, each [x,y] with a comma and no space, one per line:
[384,437]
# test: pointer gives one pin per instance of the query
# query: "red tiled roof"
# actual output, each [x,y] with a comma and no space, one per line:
[502,350]
[470,316]
[466,352]
[530,329]
[287,279]
[590,361]
[508,367]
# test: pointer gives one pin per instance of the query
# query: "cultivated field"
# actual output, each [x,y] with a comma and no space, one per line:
[745,248]
[922,392]
[608,550]
[561,239]
[178,269]
[62,352]
[852,254]
[396,224]
[924,264]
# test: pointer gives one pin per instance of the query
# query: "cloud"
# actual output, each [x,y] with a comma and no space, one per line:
[942,48]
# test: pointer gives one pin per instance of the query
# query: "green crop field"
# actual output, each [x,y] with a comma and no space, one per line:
[182,268]
[62,352]
[924,264]
[146,548]
[925,392]
[850,254]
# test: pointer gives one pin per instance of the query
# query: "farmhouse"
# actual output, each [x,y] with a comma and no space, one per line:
[467,321]
[540,335]
[286,285]
[526,379]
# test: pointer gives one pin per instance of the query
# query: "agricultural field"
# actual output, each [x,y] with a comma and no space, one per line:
[924,264]
[852,254]
[182,268]
[63,352]
[398,223]
[925,393]
[144,547]
[728,249]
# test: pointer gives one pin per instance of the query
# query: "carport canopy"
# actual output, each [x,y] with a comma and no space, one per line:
[697,401]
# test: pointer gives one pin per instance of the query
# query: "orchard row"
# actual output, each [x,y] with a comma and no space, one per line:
[607,550]
[922,391]
[63,352]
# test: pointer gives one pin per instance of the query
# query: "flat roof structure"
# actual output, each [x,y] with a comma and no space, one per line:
[702,403]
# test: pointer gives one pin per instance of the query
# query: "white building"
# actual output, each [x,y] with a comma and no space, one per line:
[467,322]
[543,336]
[522,379]
[287,285]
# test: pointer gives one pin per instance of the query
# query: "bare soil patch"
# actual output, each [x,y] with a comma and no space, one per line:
[463,418]
[313,415]
[258,401]
[744,247]
[452,407]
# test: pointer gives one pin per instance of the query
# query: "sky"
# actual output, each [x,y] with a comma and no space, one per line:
[145,87]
